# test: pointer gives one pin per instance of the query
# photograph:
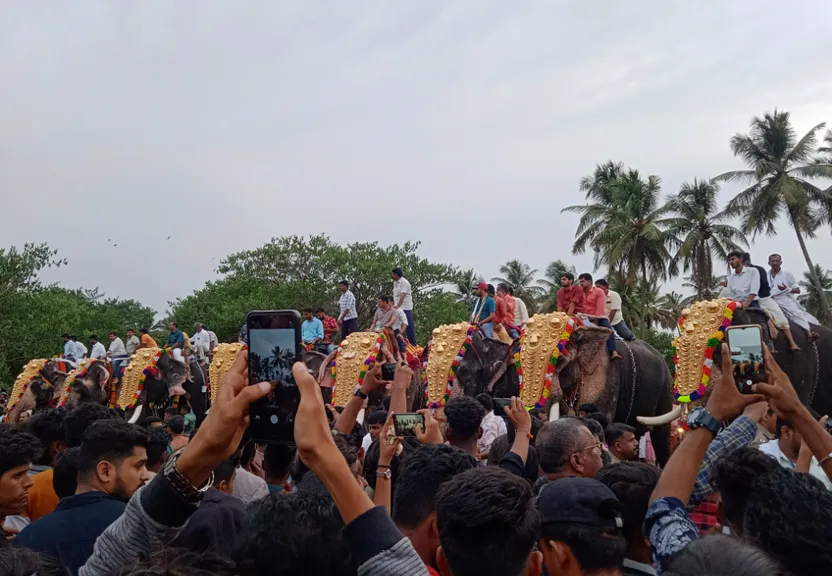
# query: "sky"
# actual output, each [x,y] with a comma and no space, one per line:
[463,124]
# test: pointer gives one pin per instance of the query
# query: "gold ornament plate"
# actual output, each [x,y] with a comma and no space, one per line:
[223,358]
[70,380]
[445,344]
[349,363]
[701,320]
[30,371]
[543,332]
[142,359]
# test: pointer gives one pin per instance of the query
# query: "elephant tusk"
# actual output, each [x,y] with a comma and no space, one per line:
[135,417]
[554,412]
[663,419]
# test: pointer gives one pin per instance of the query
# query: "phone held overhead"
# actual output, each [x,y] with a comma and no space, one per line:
[746,346]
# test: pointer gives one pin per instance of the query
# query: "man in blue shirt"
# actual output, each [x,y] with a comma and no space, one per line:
[111,467]
[482,311]
[312,330]
[175,339]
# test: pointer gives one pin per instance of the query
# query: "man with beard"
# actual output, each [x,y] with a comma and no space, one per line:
[111,466]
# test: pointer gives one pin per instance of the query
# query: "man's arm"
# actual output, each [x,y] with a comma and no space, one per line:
[754,289]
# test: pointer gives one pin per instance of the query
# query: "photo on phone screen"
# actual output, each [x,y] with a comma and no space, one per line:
[500,405]
[405,424]
[274,345]
[746,345]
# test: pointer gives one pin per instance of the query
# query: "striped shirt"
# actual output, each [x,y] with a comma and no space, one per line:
[347,306]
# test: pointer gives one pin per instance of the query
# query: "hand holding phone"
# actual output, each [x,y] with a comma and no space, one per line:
[405,424]
[388,371]
[500,405]
[746,347]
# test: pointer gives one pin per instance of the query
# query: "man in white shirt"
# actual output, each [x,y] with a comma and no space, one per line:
[69,350]
[784,287]
[613,308]
[80,349]
[743,284]
[400,324]
[403,299]
[132,343]
[214,340]
[98,351]
[492,426]
[521,313]
[117,354]
[785,448]
[201,341]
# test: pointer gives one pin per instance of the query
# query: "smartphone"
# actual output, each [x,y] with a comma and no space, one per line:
[500,405]
[405,424]
[388,371]
[746,345]
[274,345]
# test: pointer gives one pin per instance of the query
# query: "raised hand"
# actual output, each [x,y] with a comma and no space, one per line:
[778,390]
[519,416]
[725,401]
[431,434]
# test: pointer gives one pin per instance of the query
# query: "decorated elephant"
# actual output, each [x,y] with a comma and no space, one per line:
[558,364]
[698,356]
[152,379]
[90,381]
[37,387]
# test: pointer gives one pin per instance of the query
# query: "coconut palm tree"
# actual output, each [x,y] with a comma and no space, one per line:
[520,276]
[779,171]
[551,283]
[825,151]
[701,232]
[811,299]
[713,286]
[657,310]
[464,283]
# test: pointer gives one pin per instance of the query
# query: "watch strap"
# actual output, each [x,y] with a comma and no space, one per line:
[180,484]
[704,420]
[360,394]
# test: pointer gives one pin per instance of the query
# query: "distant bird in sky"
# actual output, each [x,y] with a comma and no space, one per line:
[114,245]
[168,237]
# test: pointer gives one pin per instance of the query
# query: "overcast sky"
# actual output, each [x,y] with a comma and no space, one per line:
[463,124]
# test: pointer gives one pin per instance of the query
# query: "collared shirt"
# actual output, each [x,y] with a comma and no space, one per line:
[132,345]
[492,428]
[176,337]
[772,448]
[382,318]
[148,341]
[330,327]
[402,286]
[741,285]
[400,319]
[347,306]
[738,434]
[80,350]
[117,349]
[669,528]
[521,313]
[782,277]
[202,342]
[69,349]
[613,302]
[503,315]
[214,340]
[311,330]
[98,351]
[567,296]
[704,517]
[761,437]
[594,302]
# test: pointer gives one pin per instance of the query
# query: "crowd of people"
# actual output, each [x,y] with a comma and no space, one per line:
[478,490]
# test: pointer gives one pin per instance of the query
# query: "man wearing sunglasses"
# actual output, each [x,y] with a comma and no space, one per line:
[566,449]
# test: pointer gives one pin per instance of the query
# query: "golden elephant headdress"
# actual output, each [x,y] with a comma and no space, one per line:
[221,361]
[142,364]
[79,372]
[31,371]
[447,347]
[357,354]
[541,346]
[701,330]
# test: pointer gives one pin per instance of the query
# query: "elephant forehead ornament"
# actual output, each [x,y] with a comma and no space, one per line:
[31,371]
[77,374]
[357,354]
[701,330]
[448,346]
[142,364]
[221,361]
[541,345]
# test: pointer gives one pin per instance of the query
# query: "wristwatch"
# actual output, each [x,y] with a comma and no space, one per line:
[183,486]
[359,393]
[701,418]
[387,474]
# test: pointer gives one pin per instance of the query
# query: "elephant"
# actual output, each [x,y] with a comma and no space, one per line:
[37,387]
[809,369]
[90,381]
[150,381]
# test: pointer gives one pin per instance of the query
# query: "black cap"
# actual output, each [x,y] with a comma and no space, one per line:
[579,502]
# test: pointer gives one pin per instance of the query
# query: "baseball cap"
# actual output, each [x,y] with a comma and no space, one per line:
[579,502]
[481,286]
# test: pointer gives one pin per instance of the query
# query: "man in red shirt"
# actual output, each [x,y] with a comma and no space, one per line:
[570,296]
[505,311]
[330,328]
[594,305]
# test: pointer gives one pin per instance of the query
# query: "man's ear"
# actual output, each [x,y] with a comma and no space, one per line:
[442,562]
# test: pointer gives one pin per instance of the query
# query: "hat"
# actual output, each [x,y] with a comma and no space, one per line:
[579,501]
[481,286]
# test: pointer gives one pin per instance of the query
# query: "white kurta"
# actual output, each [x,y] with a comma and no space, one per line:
[787,301]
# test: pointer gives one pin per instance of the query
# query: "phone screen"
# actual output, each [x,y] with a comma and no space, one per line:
[274,345]
[500,405]
[746,345]
[405,424]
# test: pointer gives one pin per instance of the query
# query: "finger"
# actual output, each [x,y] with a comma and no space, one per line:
[770,362]
[236,379]
[823,420]
[767,390]
[727,368]
[420,434]
[306,383]
[249,395]
[749,399]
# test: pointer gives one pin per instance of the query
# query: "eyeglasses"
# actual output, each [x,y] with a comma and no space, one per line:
[597,446]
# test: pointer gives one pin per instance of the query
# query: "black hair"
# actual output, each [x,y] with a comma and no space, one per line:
[588,408]
[172,410]
[176,424]
[569,276]
[398,272]
[295,533]
[746,257]
[308,311]
[733,475]
[556,442]
[585,276]
[158,440]
[94,337]
[131,330]
[502,286]
[113,333]
[110,440]
[595,548]
[615,431]
[377,417]
[464,416]
[169,561]
[789,516]
[65,472]
[79,419]
[146,422]
[48,427]
[319,310]
[17,447]
[175,325]
[65,335]
[734,253]
[502,445]
[510,290]
[344,283]
[225,471]
[420,477]
[781,423]
[409,444]
[720,554]
[277,460]
[601,282]
[143,330]
[632,483]
[594,427]
[490,289]
[385,298]
[24,562]
[487,522]
[600,417]
[486,401]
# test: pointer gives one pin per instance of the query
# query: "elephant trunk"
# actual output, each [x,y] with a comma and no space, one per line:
[663,419]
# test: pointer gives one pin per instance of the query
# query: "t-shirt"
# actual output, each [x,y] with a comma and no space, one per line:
[117,348]
[382,318]
[132,344]
[402,286]
[568,295]
[98,351]
[400,319]
[594,302]
[148,341]
[42,498]
[176,337]
[482,309]
[613,302]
